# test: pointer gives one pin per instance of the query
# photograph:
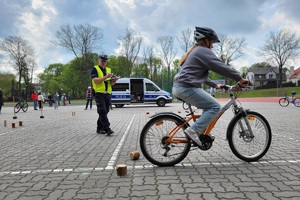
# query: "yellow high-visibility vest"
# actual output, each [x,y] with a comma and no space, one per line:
[100,87]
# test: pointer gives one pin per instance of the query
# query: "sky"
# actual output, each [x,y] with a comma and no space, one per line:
[37,21]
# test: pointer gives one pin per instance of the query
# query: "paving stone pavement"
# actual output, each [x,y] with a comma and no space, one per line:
[61,157]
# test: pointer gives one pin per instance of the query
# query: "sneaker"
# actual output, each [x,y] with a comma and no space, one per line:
[193,135]
[85,109]
[109,132]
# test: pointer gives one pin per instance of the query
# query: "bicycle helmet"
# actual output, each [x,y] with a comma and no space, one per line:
[202,33]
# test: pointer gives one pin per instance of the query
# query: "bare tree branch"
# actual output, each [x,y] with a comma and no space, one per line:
[168,52]
[149,56]
[82,40]
[20,53]
[185,39]
[229,48]
[280,47]
[130,45]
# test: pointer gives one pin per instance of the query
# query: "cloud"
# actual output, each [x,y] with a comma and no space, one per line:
[38,20]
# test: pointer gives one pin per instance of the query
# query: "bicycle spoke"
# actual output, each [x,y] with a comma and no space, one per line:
[153,144]
[297,102]
[247,146]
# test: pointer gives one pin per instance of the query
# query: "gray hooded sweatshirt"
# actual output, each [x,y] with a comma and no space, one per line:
[194,71]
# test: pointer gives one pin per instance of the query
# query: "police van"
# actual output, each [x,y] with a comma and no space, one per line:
[138,91]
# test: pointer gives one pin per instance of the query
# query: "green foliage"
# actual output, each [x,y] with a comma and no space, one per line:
[273,92]
[255,65]
[73,79]
[141,70]
[51,78]
[6,83]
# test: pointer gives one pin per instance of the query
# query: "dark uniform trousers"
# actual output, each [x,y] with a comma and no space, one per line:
[103,102]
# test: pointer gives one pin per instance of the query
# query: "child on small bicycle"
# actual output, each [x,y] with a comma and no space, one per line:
[195,66]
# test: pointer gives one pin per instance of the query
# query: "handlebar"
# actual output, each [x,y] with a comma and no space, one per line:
[232,87]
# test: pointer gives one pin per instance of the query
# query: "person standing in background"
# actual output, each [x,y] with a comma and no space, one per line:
[41,100]
[34,98]
[1,100]
[212,91]
[50,99]
[69,99]
[56,98]
[89,98]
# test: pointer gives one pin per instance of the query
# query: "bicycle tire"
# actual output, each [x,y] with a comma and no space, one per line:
[246,148]
[297,102]
[283,102]
[25,107]
[153,135]
[17,107]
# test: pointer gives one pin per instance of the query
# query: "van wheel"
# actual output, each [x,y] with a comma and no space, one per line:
[161,102]
[119,105]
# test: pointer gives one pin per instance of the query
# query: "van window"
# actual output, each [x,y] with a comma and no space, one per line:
[120,87]
[151,87]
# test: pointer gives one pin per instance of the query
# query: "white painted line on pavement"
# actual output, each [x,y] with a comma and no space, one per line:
[89,170]
[113,159]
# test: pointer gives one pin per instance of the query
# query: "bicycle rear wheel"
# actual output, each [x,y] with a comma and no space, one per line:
[17,107]
[297,102]
[242,144]
[153,145]
[283,102]
[25,107]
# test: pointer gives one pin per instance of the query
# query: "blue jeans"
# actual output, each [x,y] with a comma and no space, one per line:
[202,100]
[35,104]
[55,104]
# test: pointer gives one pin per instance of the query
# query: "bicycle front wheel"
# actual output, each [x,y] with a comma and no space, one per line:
[284,102]
[244,145]
[153,141]
[297,102]
[25,107]
[17,107]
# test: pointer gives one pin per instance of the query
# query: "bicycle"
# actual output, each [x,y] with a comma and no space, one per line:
[22,104]
[286,100]
[163,142]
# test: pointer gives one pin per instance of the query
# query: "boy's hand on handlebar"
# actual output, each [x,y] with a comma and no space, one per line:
[219,86]
[244,82]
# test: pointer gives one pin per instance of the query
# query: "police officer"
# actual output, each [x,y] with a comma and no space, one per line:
[102,81]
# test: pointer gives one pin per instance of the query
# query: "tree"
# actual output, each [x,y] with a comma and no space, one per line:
[130,45]
[229,48]
[5,83]
[21,54]
[82,40]
[157,70]
[280,47]
[168,54]
[185,40]
[148,58]
[262,64]
[52,75]
[141,70]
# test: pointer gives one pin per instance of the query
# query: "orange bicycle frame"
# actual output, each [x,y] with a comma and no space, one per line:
[193,117]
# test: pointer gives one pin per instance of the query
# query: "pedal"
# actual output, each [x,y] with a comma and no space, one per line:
[207,141]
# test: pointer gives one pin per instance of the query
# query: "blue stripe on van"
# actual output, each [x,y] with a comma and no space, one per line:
[120,96]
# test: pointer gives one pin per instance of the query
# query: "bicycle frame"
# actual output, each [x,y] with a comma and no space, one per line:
[194,117]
